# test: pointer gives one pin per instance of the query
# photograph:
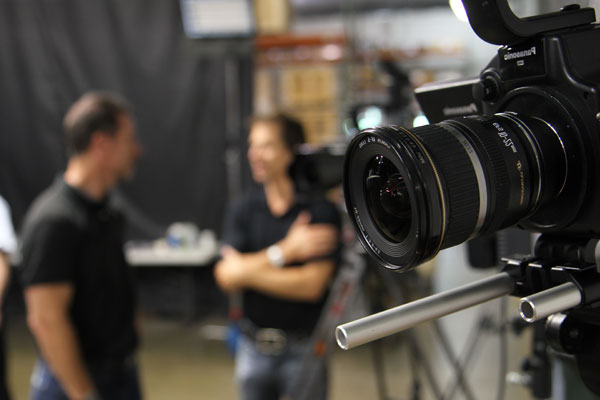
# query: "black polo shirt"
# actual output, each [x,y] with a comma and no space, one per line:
[69,238]
[250,227]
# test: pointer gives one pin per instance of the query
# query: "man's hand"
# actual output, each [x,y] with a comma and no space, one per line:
[237,271]
[4,278]
[305,241]
[50,322]
[303,244]
[232,271]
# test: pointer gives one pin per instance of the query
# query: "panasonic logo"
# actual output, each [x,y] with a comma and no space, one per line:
[520,54]
[460,110]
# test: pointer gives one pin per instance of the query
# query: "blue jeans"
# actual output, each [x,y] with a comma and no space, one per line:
[118,384]
[269,377]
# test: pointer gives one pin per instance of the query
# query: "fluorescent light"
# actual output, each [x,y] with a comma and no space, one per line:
[420,120]
[217,18]
[459,10]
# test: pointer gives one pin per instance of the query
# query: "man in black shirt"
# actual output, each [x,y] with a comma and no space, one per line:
[78,292]
[281,254]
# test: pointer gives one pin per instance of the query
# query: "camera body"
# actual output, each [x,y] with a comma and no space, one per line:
[519,146]
[556,77]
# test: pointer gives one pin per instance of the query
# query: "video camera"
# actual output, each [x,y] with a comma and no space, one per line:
[517,146]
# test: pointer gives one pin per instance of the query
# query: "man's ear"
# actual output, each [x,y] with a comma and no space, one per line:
[99,143]
[96,138]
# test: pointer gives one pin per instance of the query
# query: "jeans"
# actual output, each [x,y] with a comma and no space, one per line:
[114,384]
[269,377]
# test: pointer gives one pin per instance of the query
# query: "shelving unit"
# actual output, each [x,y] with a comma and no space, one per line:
[300,75]
[318,79]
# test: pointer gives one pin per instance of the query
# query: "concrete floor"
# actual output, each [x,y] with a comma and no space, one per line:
[180,360]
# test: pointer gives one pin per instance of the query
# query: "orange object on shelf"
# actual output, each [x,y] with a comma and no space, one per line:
[265,42]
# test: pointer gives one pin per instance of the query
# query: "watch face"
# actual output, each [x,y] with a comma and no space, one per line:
[275,256]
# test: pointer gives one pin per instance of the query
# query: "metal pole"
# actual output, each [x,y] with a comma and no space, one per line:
[397,319]
[550,301]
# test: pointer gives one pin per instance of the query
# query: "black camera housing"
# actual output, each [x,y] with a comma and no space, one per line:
[517,146]
[556,77]
[530,125]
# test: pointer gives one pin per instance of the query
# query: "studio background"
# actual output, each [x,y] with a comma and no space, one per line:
[190,98]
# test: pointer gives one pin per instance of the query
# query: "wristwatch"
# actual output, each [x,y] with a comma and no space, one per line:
[275,256]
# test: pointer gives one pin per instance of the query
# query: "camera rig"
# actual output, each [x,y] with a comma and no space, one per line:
[525,146]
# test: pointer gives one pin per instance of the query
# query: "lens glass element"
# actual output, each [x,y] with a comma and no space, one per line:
[387,198]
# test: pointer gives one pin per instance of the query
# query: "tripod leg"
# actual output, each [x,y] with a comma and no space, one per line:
[460,364]
[421,360]
[416,351]
[447,349]
[377,352]
[418,356]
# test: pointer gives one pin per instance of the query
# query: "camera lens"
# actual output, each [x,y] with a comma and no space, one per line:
[411,193]
[387,198]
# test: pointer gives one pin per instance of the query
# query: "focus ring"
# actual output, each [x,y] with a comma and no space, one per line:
[459,181]
[499,183]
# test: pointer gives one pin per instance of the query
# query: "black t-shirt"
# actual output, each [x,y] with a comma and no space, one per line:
[69,238]
[250,227]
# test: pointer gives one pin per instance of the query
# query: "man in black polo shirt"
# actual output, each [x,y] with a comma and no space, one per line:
[78,291]
[281,255]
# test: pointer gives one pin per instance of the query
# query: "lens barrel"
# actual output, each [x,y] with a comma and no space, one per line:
[411,193]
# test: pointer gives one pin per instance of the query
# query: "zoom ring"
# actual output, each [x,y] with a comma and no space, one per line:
[458,181]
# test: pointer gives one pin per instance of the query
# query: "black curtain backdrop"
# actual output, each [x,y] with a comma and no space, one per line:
[189,96]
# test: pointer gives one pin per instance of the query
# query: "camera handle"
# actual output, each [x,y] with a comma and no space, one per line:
[494,22]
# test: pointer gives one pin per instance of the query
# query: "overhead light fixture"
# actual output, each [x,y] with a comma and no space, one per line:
[217,18]
[458,9]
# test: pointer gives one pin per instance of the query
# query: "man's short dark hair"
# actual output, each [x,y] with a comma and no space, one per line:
[292,131]
[94,111]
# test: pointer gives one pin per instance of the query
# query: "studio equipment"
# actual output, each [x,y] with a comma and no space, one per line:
[518,146]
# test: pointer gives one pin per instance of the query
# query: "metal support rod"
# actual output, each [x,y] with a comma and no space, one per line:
[399,318]
[549,301]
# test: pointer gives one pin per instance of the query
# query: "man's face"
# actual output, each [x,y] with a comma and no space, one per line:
[268,155]
[124,148]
